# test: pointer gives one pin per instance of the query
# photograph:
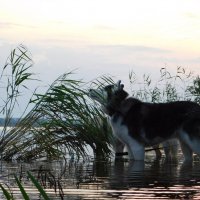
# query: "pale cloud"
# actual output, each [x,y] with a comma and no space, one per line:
[13,25]
[104,27]
[192,15]
[131,48]
[103,35]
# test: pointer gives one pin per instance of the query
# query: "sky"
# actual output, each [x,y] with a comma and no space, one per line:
[100,37]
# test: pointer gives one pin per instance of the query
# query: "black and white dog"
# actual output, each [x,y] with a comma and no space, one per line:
[138,124]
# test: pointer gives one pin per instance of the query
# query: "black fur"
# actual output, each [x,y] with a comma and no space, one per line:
[160,119]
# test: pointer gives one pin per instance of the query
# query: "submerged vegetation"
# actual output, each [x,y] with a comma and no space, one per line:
[9,196]
[64,121]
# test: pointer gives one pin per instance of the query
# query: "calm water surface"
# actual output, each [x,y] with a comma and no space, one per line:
[89,179]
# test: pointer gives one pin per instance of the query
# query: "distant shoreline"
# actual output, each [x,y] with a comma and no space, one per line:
[13,121]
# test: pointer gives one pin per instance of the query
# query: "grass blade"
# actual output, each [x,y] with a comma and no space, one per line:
[38,186]
[24,194]
[6,193]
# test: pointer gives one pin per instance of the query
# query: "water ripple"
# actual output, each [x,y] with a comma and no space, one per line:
[91,179]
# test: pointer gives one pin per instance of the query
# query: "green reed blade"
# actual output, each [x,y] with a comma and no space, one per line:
[24,194]
[38,186]
[6,193]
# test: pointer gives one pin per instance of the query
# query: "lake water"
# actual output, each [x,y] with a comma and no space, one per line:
[89,179]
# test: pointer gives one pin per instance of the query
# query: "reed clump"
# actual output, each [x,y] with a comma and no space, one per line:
[62,121]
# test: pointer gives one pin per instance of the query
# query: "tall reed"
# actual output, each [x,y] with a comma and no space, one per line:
[15,74]
[62,122]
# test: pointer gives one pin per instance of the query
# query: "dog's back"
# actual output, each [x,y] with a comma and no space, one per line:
[148,121]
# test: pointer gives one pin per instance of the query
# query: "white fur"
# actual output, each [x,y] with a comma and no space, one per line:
[135,149]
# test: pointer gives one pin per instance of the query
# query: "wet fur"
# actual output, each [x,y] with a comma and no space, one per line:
[139,124]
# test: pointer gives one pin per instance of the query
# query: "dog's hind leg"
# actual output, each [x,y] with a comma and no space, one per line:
[187,152]
[171,149]
[157,151]
[136,151]
[174,145]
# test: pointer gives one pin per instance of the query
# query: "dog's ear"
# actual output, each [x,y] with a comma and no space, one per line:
[119,85]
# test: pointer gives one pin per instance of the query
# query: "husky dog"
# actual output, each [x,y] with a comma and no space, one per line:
[138,124]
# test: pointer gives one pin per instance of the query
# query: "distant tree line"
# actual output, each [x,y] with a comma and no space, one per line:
[11,123]
[14,121]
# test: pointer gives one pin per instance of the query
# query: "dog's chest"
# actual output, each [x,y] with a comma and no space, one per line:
[119,129]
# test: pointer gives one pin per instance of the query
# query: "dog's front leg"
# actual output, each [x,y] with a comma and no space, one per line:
[136,150]
[119,148]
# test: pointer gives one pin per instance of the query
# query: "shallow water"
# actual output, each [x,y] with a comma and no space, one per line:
[91,179]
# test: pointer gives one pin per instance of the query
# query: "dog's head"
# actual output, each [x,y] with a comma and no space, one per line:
[110,96]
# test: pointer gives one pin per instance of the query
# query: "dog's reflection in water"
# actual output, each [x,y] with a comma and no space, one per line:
[143,173]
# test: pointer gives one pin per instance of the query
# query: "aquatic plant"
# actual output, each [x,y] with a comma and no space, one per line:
[8,192]
[70,121]
[166,88]
[63,121]
[194,89]
[15,74]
